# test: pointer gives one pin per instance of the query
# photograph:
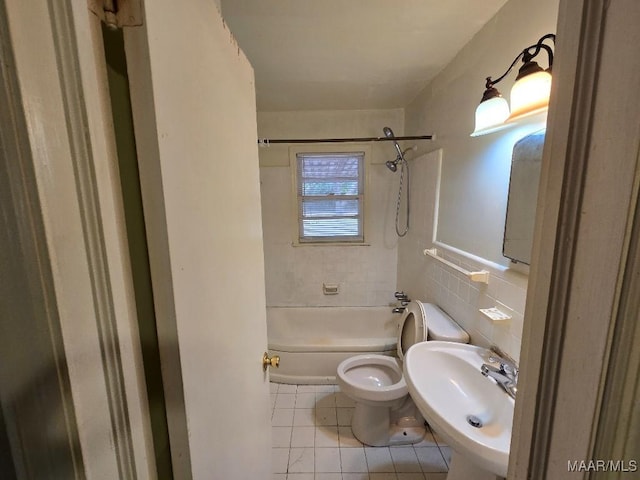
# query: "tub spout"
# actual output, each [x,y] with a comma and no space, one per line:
[398,309]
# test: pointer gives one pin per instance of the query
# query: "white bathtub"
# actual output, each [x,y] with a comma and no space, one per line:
[312,341]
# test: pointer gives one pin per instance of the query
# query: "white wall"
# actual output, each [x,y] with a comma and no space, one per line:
[475,172]
[295,274]
[473,182]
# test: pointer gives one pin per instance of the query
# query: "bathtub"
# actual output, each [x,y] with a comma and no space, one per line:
[312,341]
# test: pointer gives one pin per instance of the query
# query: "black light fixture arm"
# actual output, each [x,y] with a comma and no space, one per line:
[540,45]
[527,55]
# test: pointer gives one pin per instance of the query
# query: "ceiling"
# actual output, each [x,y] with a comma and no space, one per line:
[350,54]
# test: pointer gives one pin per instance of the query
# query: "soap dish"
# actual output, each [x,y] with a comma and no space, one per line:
[494,314]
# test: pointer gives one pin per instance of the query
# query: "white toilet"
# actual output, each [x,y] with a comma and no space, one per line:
[385,413]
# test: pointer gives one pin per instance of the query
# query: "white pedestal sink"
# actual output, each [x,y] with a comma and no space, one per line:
[470,411]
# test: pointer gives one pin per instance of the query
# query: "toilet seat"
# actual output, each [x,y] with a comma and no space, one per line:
[413,327]
[424,321]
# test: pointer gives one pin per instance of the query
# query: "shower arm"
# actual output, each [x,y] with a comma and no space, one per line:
[402,153]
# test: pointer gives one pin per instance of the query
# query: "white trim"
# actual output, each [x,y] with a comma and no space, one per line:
[136,45]
[436,206]
[496,267]
[581,240]
[301,198]
[84,166]
[474,276]
[68,128]
[29,297]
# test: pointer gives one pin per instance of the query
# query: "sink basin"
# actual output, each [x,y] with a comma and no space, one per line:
[445,383]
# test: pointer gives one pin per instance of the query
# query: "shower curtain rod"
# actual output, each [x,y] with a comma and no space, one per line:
[267,141]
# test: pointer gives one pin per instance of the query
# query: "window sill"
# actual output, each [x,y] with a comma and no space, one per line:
[330,244]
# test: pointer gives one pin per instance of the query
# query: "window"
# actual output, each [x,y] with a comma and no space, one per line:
[330,197]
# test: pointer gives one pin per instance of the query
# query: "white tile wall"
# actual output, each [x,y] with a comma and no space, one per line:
[462,299]
[366,275]
[427,279]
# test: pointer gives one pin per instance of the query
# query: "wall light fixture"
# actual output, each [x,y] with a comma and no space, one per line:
[529,94]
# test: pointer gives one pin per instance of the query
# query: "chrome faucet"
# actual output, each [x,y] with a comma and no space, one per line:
[400,296]
[505,375]
[403,299]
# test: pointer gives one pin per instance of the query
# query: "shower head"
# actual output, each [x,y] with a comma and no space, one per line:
[389,134]
[392,165]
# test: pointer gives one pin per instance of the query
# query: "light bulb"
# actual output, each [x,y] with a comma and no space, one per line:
[530,94]
[490,116]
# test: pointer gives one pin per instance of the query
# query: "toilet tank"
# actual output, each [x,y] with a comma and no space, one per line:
[442,327]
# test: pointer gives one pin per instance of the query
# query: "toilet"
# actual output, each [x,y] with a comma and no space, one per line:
[384,412]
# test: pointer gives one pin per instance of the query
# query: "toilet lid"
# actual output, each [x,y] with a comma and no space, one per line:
[413,327]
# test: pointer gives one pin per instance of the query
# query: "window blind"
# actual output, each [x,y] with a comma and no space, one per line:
[330,196]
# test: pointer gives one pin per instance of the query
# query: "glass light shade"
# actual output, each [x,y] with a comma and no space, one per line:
[530,95]
[490,116]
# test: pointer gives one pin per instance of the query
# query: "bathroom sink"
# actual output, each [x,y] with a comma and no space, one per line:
[467,409]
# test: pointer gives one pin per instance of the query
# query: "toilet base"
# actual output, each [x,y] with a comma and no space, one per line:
[406,435]
[383,426]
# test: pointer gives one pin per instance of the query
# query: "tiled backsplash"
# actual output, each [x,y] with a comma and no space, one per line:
[463,299]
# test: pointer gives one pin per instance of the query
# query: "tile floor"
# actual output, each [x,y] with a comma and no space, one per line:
[312,440]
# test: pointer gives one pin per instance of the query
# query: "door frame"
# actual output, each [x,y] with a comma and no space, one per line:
[61,79]
[574,358]
[136,46]
[69,131]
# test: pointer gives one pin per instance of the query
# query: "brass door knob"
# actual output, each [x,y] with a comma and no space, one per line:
[270,361]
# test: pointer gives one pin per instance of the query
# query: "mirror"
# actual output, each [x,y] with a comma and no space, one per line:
[523,198]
